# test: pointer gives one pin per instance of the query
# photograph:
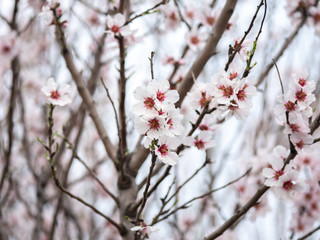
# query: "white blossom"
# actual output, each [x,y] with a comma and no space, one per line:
[57,95]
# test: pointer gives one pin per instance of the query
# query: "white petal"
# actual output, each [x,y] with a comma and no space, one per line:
[136,228]
[171,159]
[65,88]
[188,141]
[52,84]
[119,19]
[277,164]
[172,96]
[268,172]
[46,90]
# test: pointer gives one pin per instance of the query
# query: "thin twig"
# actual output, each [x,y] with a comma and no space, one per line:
[181,16]
[166,200]
[51,154]
[315,124]
[208,50]
[15,68]
[281,51]
[148,11]
[185,205]
[237,49]
[282,89]
[179,149]
[145,193]
[75,155]
[252,52]
[83,90]
[243,210]
[151,64]
[188,180]
[177,65]
[310,233]
[114,108]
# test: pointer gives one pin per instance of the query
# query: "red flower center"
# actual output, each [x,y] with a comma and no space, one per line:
[287,185]
[154,124]
[204,127]
[301,95]
[148,102]
[6,49]
[300,144]
[203,101]
[233,106]
[278,174]
[302,82]
[55,94]
[210,20]
[115,29]
[233,75]
[290,106]
[241,95]
[170,123]
[163,150]
[294,127]
[199,143]
[173,16]
[227,91]
[316,18]
[194,40]
[160,96]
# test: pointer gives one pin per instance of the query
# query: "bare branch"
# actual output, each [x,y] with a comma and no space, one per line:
[83,91]
[281,51]
[243,210]
[148,11]
[145,193]
[237,49]
[252,52]
[309,233]
[151,64]
[207,51]
[186,205]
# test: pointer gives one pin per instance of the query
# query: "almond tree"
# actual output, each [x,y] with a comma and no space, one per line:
[159,119]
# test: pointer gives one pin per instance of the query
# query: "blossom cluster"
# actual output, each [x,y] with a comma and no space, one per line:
[294,111]
[227,93]
[307,205]
[158,119]
[284,180]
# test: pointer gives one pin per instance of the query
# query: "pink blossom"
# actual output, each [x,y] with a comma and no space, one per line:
[273,174]
[116,25]
[302,141]
[202,141]
[288,184]
[57,95]
[145,229]
[163,149]
[196,39]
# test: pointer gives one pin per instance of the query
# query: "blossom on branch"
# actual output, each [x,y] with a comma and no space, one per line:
[202,141]
[116,25]
[158,119]
[57,95]
[288,184]
[273,174]
[145,229]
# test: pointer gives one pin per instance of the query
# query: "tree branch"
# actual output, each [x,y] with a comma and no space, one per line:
[207,51]
[281,51]
[83,91]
